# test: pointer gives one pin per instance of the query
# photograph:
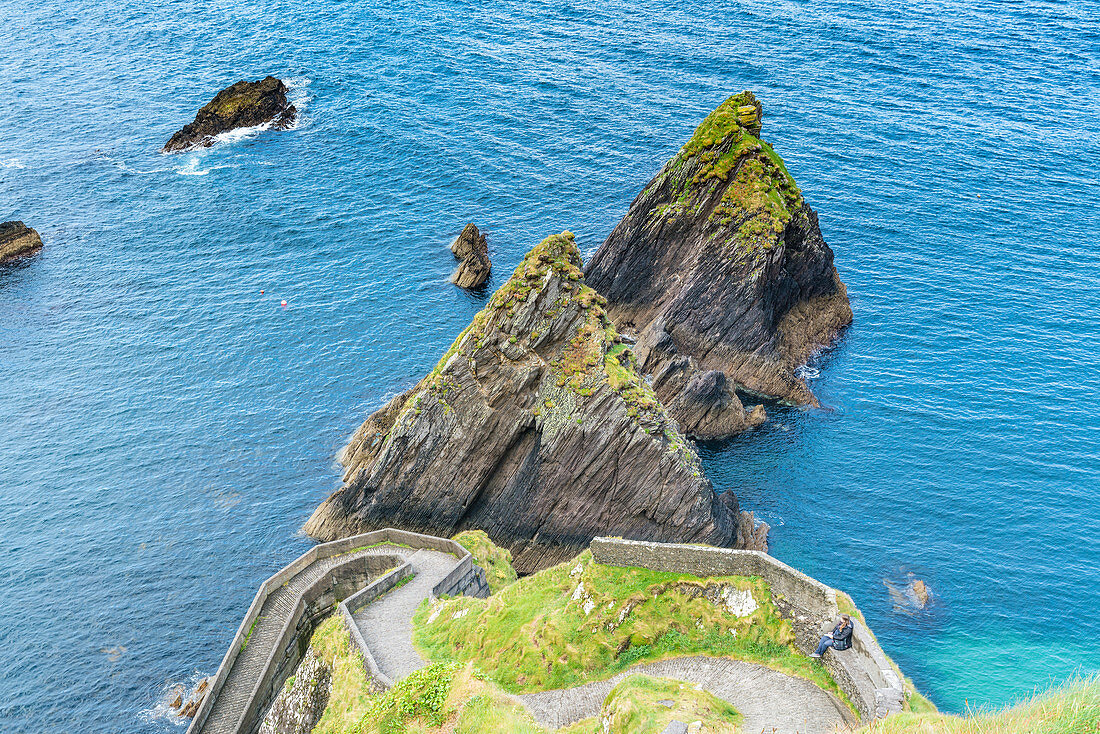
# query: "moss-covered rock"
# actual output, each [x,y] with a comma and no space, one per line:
[244,104]
[534,426]
[496,561]
[18,240]
[720,266]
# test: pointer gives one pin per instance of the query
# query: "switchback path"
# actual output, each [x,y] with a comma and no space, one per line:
[386,623]
[770,701]
[236,692]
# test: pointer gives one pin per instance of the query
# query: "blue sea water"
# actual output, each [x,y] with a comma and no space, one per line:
[165,429]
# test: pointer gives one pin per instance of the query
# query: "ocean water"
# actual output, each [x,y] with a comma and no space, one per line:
[165,428]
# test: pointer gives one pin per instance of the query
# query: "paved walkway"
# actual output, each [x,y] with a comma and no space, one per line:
[235,693]
[770,701]
[386,623]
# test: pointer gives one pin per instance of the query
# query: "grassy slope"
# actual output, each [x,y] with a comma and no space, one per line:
[1071,709]
[632,707]
[581,621]
[496,561]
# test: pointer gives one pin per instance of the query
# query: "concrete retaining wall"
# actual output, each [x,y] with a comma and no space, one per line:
[341,583]
[864,672]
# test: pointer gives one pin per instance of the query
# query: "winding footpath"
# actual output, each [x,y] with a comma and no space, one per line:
[386,623]
[770,701]
[236,692]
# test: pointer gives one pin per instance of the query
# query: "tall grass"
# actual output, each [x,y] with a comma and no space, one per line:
[1073,708]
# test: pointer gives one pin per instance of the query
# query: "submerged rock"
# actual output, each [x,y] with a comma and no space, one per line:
[536,427]
[473,250]
[244,104]
[721,261]
[18,240]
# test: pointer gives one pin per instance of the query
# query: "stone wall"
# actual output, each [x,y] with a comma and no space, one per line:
[318,602]
[863,672]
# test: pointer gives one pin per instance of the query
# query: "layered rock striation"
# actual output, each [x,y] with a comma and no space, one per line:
[18,240]
[536,427]
[720,271]
[244,104]
[473,250]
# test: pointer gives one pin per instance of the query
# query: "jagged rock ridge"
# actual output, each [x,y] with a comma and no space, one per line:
[719,265]
[244,104]
[473,250]
[536,427]
[18,240]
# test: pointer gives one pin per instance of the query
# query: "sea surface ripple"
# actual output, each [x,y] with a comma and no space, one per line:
[165,429]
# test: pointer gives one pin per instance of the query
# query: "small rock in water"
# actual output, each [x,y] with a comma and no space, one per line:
[244,104]
[473,250]
[177,701]
[920,592]
[18,240]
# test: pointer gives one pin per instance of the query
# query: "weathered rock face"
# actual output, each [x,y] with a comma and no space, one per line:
[536,427]
[18,240]
[473,250]
[721,261]
[299,706]
[244,104]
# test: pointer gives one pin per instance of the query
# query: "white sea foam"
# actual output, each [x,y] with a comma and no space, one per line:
[11,163]
[161,712]
[806,372]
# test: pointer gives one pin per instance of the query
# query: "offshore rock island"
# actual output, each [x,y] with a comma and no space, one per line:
[720,267]
[536,427]
[18,240]
[244,104]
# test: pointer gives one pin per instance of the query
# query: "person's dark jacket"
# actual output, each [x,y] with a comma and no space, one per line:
[842,636]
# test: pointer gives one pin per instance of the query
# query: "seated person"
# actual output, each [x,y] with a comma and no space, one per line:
[839,639]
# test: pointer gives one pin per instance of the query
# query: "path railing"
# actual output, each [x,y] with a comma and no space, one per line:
[464,568]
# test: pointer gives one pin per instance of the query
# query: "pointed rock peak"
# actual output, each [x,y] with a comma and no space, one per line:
[738,115]
[535,426]
[720,265]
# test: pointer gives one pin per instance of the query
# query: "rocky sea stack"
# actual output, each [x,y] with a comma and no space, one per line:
[472,249]
[244,104]
[720,267]
[536,427]
[18,240]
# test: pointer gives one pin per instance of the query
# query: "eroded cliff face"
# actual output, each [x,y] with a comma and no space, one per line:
[720,266]
[244,104]
[536,427]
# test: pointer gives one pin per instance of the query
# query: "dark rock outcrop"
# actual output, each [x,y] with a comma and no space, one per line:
[17,240]
[536,427]
[471,248]
[720,262]
[244,104]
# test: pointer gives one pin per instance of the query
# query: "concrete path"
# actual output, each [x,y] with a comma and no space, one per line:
[770,701]
[386,623]
[236,692]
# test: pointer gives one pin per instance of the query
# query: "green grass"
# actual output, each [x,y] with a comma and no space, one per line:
[632,708]
[496,561]
[350,698]
[582,621]
[1071,709]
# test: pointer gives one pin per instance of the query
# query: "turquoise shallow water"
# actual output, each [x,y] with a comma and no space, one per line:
[165,429]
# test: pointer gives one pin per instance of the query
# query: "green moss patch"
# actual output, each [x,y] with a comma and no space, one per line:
[496,561]
[582,621]
[645,704]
